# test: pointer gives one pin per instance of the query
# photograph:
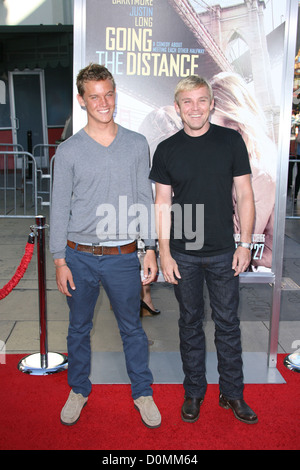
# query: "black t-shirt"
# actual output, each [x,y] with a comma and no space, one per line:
[200,171]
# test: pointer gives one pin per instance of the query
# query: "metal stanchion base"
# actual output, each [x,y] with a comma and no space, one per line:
[32,364]
[292,362]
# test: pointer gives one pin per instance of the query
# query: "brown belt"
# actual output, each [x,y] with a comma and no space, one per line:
[104,250]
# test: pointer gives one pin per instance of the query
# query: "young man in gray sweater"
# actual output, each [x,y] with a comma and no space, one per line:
[101,203]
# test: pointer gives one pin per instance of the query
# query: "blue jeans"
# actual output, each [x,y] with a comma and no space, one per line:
[120,277]
[223,290]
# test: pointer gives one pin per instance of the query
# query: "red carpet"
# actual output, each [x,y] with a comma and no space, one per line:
[30,408]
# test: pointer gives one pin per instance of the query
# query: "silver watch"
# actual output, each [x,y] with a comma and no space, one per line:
[245,245]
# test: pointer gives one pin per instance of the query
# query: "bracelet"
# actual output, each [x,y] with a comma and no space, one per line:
[60,265]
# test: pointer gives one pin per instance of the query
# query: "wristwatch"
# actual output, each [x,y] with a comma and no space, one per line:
[245,245]
[150,247]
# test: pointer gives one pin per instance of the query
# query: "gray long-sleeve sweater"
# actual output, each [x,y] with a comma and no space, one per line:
[101,193]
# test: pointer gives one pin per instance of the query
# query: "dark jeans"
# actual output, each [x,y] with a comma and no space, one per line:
[120,277]
[223,290]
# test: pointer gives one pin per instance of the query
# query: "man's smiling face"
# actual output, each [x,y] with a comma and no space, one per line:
[194,107]
[99,100]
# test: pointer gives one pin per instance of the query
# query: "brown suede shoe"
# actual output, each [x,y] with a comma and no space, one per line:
[149,412]
[240,409]
[70,413]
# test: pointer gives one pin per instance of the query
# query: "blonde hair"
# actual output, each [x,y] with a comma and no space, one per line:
[235,102]
[190,83]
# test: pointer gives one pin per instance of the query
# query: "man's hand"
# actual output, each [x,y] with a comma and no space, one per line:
[169,268]
[63,277]
[241,260]
[150,267]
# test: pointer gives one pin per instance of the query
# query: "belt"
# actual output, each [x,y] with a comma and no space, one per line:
[99,250]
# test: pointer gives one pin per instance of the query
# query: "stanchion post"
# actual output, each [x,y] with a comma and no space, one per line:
[42,363]
[41,257]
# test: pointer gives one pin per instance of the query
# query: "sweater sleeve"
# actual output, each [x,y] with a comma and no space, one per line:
[61,203]
[145,197]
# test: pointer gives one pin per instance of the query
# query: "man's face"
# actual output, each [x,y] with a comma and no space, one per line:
[194,107]
[99,100]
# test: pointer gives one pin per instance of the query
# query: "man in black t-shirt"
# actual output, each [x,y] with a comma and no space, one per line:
[194,171]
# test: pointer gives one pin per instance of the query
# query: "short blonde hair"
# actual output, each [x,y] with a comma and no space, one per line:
[190,83]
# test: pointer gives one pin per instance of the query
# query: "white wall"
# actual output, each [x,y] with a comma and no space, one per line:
[35,12]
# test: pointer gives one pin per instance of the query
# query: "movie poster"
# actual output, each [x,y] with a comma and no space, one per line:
[149,45]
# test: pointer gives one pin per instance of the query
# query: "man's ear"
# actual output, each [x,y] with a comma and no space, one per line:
[177,109]
[81,101]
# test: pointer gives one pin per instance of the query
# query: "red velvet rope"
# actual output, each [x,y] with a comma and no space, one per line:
[19,272]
